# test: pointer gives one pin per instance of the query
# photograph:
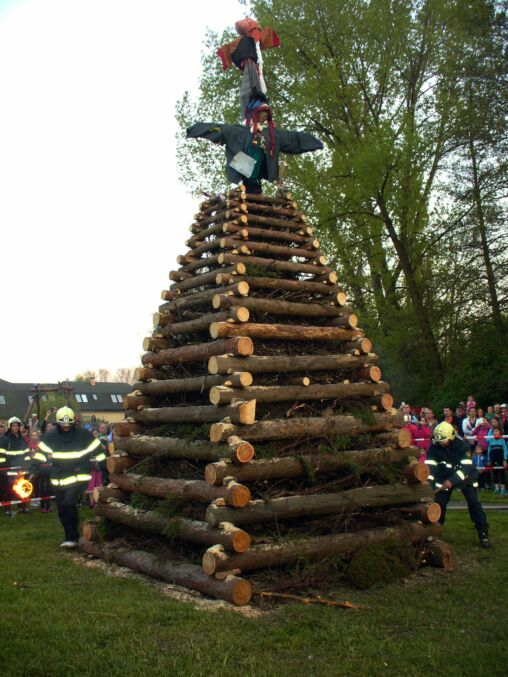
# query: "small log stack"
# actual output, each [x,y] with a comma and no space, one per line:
[258,403]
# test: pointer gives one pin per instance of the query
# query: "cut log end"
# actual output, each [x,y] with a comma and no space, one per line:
[245,346]
[387,401]
[433,512]
[241,592]
[240,495]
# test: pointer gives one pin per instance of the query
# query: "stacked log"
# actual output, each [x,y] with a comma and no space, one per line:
[256,351]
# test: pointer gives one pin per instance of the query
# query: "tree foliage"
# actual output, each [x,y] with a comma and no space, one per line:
[409,194]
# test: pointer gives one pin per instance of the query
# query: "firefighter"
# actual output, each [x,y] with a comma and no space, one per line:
[71,450]
[451,467]
[13,453]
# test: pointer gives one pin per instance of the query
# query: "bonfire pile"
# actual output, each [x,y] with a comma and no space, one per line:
[260,432]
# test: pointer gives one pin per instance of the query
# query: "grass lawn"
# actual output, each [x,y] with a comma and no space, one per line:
[486,496]
[60,618]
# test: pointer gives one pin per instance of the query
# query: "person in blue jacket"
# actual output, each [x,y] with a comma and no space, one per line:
[497,456]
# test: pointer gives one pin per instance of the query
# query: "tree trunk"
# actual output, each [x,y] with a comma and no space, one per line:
[239,412]
[316,548]
[179,528]
[281,429]
[289,467]
[235,495]
[237,450]
[220,395]
[294,507]
[282,332]
[233,589]
[200,352]
[269,364]
[428,513]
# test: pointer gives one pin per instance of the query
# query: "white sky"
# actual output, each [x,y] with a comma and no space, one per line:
[91,214]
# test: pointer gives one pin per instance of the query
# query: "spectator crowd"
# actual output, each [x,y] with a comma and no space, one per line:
[19,458]
[485,430]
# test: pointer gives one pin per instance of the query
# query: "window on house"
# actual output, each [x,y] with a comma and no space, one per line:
[2,399]
[94,396]
[84,397]
[113,398]
[78,397]
[120,398]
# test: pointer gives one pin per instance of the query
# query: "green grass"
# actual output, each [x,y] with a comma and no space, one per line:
[60,618]
[486,496]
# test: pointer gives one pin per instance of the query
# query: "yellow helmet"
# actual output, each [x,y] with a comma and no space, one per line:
[65,416]
[443,433]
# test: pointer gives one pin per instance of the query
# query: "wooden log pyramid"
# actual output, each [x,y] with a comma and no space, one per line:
[259,416]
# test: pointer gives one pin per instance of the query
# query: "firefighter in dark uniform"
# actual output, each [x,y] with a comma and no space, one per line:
[451,467]
[71,450]
[13,453]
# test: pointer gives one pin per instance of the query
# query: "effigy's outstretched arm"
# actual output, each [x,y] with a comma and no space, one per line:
[215,132]
[295,143]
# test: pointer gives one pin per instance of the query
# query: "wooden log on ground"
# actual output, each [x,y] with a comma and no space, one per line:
[272,264]
[202,324]
[195,384]
[156,343]
[233,589]
[363,345]
[294,507]
[427,513]
[269,364]
[137,401]
[90,531]
[400,438]
[282,332]
[239,412]
[281,429]
[439,554]
[234,494]
[371,373]
[417,472]
[207,278]
[289,467]
[220,395]
[316,548]
[237,449]
[269,307]
[179,528]
[199,352]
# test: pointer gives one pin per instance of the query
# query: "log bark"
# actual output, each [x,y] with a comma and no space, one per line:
[317,548]
[417,472]
[137,401]
[239,412]
[198,384]
[299,286]
[90,531]
[363,345]
[102,493]
[257,219]
[281,429]
[220,395]
[154,343]
[370,373]
[428,513]
[289,467]
[237,449]
[273,264]
[200,352]
[269,364]
[240,288]
[233,589]
[234,494]
[400,438]
[202,324]
[126,429]
[207,278]
[284,332]
[279,235]
[294,507]
[180,528]
[269,307]
[119,463]
[273,249]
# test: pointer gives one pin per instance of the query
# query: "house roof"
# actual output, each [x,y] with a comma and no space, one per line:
[15,397]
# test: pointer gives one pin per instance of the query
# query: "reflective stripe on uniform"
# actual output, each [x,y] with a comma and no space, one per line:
[467,461]
[430,462]
[430,477]
[64,455]
[100,457]
[475,484]
[461,474]
[44,447]
[39,457]
[73,479]
[8,452]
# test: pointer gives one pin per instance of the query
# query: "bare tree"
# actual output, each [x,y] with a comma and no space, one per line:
[125,375]
[104,375]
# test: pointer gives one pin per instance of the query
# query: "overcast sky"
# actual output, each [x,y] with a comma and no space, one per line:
[92,216]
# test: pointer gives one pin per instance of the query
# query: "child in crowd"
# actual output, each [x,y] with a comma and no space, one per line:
[481,432]
[471,403]
[497,456]
[479,462]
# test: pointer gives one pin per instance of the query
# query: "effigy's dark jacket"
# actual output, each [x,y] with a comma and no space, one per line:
[237,137]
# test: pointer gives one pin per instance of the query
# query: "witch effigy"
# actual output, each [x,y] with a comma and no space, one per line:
[253,148]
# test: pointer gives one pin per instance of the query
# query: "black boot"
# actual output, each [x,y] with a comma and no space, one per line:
[483,534]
